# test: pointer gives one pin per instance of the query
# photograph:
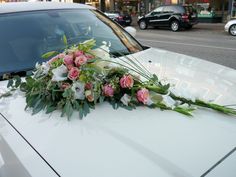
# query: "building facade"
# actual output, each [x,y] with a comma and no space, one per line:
[211,10]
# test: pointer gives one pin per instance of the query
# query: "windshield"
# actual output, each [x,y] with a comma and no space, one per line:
[26,36]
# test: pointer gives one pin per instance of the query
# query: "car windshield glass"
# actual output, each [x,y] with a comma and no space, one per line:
[26,36]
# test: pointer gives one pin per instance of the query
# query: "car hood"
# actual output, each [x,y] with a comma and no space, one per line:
[139,143]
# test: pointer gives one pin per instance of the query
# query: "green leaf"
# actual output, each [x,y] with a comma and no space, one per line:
[101,99]
[86,108]
[17,81]
[65,40]
[76,105]
[92,60]
[68,109]
[39,105]
[5,94]
[10,83]
[155,78]
[50,109]
[81,113]
[184,111]
[166,87]
[23,87]
[114,104]
[49,54]
[67,93]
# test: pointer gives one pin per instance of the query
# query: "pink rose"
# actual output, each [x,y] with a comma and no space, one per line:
[73,73]
[61,55]
[143,95]
[127,81]
[69,66]
[78,53]
[53,59]
[82,59]
[108,90]
[88,86]
[68,60]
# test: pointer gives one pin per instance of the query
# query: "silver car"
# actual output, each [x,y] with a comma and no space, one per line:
[230,27]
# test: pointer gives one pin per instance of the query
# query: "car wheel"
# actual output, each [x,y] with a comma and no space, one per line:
[232,30]
[174,25]
[142,25]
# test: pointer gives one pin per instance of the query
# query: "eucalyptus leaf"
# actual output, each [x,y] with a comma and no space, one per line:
[68,109]
[10,83]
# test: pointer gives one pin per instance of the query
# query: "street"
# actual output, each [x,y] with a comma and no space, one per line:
[205,41]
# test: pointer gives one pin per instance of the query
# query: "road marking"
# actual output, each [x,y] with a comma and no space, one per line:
[188,44]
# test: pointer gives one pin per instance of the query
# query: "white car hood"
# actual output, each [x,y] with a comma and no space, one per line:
[143,142]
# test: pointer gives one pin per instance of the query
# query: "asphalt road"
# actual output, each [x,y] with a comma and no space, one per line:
[205,41]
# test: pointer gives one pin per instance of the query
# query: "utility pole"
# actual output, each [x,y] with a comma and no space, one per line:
[223,10]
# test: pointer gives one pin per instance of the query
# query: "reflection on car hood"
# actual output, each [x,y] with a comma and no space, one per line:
[139,143]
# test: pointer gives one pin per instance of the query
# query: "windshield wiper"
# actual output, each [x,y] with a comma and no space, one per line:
[119,53]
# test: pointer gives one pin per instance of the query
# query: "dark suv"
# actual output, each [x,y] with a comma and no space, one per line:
[173,16]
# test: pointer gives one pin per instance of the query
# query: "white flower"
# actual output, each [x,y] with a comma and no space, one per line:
[59,73]
[42,69]
[168,101]
[45,68]
[78,88]
[103,51]
[125,99]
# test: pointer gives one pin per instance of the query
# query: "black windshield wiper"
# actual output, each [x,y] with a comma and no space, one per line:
[119,53]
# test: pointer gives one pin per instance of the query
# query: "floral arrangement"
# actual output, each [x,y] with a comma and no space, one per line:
[81,77]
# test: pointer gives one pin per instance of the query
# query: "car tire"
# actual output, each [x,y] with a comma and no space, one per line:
[142,25]
[174,25]
[232,30]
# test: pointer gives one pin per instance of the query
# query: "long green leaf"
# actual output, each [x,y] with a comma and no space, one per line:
[49,54]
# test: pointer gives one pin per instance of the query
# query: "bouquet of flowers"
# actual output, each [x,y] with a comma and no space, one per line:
[81,77]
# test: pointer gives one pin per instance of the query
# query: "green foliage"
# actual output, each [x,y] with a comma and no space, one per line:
[49,54]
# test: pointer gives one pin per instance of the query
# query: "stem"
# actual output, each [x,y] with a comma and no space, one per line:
[136,66]
[5,94]
[216,107]
[156,89]
[127,68]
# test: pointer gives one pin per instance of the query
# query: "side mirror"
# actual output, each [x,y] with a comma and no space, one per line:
[131,30]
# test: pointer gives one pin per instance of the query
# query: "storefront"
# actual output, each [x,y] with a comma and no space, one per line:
[212,11]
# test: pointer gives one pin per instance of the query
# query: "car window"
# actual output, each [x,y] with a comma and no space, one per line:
[169,9]
[180,9]
[159,9]
[26,36]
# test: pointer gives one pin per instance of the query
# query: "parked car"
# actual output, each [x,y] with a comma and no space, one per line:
[123,18]
[173,16]
[230,27]
[108,143]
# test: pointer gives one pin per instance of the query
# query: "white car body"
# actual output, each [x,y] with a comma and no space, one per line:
[229,24]
[120,143]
